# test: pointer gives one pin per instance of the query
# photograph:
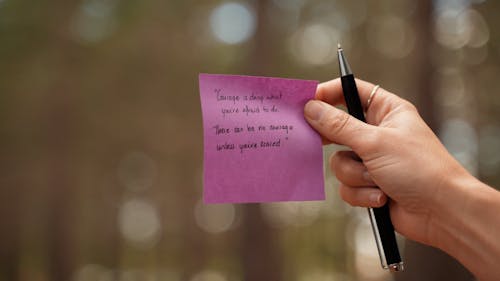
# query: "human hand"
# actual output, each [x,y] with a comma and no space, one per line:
[397,152]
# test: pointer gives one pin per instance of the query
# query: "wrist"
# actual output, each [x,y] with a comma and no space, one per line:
[449,208]
[465,226]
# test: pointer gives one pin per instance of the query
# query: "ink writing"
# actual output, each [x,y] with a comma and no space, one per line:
[249,105]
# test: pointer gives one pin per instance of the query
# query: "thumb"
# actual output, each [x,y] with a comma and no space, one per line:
[337,125]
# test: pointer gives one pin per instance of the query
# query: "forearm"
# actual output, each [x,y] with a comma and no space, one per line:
[467,226]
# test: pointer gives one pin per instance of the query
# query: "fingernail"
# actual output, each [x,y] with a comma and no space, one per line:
[313,110]
[367,177]
[376,198]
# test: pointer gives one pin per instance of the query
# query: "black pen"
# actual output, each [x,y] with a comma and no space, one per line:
[380,218]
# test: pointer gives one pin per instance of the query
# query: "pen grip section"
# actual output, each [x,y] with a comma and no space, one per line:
[351,97]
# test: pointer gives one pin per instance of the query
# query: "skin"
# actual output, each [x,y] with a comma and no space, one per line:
[433,199]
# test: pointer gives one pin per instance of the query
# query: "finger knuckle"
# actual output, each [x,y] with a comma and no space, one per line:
[409,106]
[344,170]
[373,139]
[335,122]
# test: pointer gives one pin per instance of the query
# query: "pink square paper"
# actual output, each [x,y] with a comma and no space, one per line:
[257,145]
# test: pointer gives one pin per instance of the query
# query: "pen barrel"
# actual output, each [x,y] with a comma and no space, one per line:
[385,236]
[380,217]
[351,97]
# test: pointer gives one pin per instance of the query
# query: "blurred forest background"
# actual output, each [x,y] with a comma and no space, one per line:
[101,135]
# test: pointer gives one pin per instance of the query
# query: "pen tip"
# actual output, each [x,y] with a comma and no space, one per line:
[338,46]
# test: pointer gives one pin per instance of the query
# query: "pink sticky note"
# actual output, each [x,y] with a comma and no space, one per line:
[257,145]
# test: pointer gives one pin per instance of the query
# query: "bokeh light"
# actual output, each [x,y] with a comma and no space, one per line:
[214,218]
[232,22]
[139,223]
[456,28]
[95,20]
[283,214]
[480,32]
[333,14]
[461,140]
[450,5]
[315,44]
[90,272]
[208,275]
[133,274]
[452,29]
